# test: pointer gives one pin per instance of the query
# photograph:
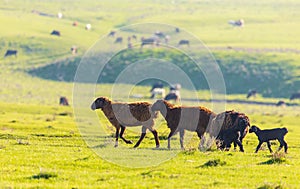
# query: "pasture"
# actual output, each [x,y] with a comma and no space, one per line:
[42,144]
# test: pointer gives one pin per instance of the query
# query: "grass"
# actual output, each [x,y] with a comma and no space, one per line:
[42,144]
[56,151]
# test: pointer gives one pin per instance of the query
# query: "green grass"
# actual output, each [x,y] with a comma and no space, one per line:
[42,144]
[52,153]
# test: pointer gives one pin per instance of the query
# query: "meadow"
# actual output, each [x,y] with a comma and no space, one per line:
[42,144]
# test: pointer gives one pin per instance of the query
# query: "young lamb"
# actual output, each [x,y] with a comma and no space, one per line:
[234,128]
[270,134]
[121,115]
[180,118]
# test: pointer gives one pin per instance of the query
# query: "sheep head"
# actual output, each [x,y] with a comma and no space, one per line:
[160,105]
[99,103]
[253,129]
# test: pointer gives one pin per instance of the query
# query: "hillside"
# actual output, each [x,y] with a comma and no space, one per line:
[262,55]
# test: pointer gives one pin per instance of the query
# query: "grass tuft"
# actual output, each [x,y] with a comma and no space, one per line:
[213,163]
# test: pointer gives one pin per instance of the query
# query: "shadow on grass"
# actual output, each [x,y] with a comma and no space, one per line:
[213,163]
[271,186]
[43,176]
[276,158]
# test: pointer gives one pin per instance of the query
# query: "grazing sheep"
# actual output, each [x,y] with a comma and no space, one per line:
[158,91]
[295,96]
[238,23]
[157,88]
[55,32]
[10,53]
[280,103]
[174,93]
[119,40]
[234,128]
[159,34]
[112,33]
[63,101]
[180,118]
[270,134]
[74,50]
[121,115]
[184,42]
[251,93]
[88,27]
[149,41]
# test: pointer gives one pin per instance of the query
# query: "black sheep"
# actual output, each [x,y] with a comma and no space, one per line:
[270,134]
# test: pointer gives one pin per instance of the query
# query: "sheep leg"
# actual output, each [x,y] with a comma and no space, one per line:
[141,137]
[239,142]
[154,132]
[258,146]
[234,145]
[181,134]
[269,146]
[283,144]
[121,135]
[117,137]
[169,138]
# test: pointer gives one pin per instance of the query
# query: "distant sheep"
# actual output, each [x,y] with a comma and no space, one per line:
[158,91]
[270,134]
[251,93]
[149,41]
[112,33]
[157,88]
[55,32]
[234,127]
[11,53]
[184,42]
[174,93]
[121,115]
[295,96]
[181,118]
[119,40]
[63,101]
[238,23]
[74,50]
[88,26]
[280,103]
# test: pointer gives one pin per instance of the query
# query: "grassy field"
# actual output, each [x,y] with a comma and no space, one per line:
[42,145]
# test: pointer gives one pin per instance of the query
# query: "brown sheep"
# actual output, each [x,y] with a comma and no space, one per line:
[180,118]
[234,128]
[121,115]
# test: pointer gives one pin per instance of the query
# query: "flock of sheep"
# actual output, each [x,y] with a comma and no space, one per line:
[231,126]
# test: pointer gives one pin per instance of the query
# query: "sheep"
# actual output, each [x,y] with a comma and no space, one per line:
[234,128]
[63,101]
[88,26]
[174,93]
[119,40]
[157,88]
[121,115]
[180,118]
[295,96]
[184,42]
[270,134]
[251,93]
[10,53]
[55,32]
[149,41]
[238,23]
